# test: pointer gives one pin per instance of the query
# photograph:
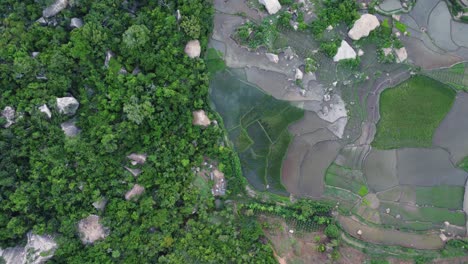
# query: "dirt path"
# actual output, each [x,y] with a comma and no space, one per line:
[390,237]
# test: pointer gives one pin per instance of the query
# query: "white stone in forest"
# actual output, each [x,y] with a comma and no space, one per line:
[67,105]
[91,230]
[193,49]
[134,192]
[9,114]
[299,75]
[44,109]
[200,118]
[363,26]
[345,51]
[272,6]
[76,22]
[272,57]
[55,8]
[401,54]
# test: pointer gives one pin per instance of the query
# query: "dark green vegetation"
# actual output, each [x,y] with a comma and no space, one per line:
[411,112]
[257,35]
[440,196]
[463,164]
[257,125]
[214,61]
[42,171]
[333,13]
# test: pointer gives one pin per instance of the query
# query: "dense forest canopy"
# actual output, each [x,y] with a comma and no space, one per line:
[48,181]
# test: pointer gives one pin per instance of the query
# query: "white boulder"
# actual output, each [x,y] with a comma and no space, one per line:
[299,75]
[363,26]
[9,114]
[67,105]
[193,49]
[345,51]
[200,118]
[137,158]
[55,8]
[401,54]
[91,229]
[44,109]
[360,52]
[134,192]
[100,204]
[38,249]
[387,51]
[272,57]
[272,6]
[76,22]
[329,28]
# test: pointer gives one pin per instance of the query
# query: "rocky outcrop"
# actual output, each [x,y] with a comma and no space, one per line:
[69,128]
[272,57]
[38,250]
[137,190]
[91,230]
[55,8]
[9,114]
[200,118]
[299,75]
[44,109]
[109,56]
[76,22]
[345,51]
[67,105]
[137,158]
[363,26]
[387,51]
[134,172]
[193,49]
[401,54]
[100,204]
[272,6]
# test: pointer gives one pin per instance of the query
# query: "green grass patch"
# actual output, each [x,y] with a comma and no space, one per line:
[410,113]
[242,142]
[464,164]
[351,180]
[363,191]
[214,61]
[400,26]
[458,68]
[450,197]
[426,214]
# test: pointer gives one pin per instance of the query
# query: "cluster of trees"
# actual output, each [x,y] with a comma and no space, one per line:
[48,182]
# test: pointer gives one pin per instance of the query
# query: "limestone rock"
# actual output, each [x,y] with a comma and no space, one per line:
[100,204]
[44,109]
[329,28]
[272,57]
[67,105]
[69,128]
[38,249]
[137,158]
[91,230]
[359,232]
[134,192]
[289,53]
[9,114]
[76,22]
[360,52]
[42,21]
[134,172]
[387,51]
[363,26]
[109,56]
[193,49]
[345,51]
[200,118]
[443,237]
[35,54]
[401,54]
[272,6]
[299,75]
[55,8]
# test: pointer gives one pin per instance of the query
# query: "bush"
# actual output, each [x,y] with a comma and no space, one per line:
[332,231]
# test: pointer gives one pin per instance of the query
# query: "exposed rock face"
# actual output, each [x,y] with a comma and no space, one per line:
[109,56]
[38,250]
[134,192]
[69,128]
[200,118]
[55,8]
[272,6]
[193,49]
[137,158]
[219,187]
[76,22]
[100,204]
[44,109]
[299,75]
[272,57]
[363,26]
[67,105]
[401,54]
[345,51]
[134,172]
[91,230]
[9,114]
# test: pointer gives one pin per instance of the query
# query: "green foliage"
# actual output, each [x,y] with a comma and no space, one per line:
[310,65]
[257,35]
[363,191]
[286,2]
[332,231]
[411,112]
[400,26]
[463,164]
[334,12]
[379,261]
[351,64]
[48,182]
[283,20]
[330,47]
[214,61]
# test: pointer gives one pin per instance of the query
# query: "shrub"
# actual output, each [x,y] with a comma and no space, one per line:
[332,231]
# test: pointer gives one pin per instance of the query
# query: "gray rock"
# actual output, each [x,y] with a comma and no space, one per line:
[76,22]
[272,57]
[363,26]
[109,56]
[9,114]
[137,158]
[35,54]
[200,118]
[44,109]
[91,230]
[100,204]
[134,172]
[70,129]
[42,21]
[193,49]
[345,51]
[272,6]
[55,8]
[134,192]
[67,105]
[38,250]
[299,75]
